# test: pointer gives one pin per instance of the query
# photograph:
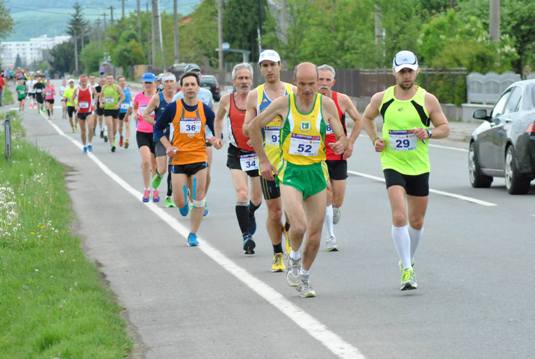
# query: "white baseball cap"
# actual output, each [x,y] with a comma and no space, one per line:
[405,60]
[269,55]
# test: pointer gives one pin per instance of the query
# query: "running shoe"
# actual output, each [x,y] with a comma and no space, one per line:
[292,277]
[105,138]
[337,213]
[89,148]
[287,245]
[192,240]
[113,148]
[146,195]
[304,288]
[168,202]
[331,244]
[156,180]
[248,244]
[125,144]
[102,134]
[84,150]
[121,141]
[278,263]
[155,196]
[408,279]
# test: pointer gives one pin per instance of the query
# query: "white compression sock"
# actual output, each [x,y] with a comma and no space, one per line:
[415,235]
[329,225]
[402,242]
[295,255]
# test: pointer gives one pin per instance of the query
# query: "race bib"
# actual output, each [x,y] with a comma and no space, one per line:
[109,100]
[141,109]
[249,162]
[303,145]
[402,140]
[83,105]
[125,106]
[38,90]
[329,129]
[272,135]
[190,126]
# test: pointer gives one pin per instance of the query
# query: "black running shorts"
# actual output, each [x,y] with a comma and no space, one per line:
[337,169]
[111,113]
[270,189]
[233,160]
[189,169]
[145,139]
[414,185]
[70,111]
[83,115]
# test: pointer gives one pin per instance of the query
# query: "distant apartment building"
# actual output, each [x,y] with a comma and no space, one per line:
[29,51]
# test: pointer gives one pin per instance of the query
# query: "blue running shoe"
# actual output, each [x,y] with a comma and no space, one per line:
[90,148]
[192,240]
[84,150]
[205,213]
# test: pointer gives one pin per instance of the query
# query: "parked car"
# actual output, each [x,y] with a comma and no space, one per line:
[504,144]
[210,82]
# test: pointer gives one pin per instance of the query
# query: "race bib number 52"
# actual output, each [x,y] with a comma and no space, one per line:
[303,145]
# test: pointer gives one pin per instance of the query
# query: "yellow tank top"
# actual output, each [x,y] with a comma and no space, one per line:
[271,131]
[303,134]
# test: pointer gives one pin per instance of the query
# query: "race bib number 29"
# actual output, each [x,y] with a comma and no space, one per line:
[402,140]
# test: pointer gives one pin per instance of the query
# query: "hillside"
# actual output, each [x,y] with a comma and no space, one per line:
[38,17]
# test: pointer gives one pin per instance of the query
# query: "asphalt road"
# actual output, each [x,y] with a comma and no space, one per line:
[474,266]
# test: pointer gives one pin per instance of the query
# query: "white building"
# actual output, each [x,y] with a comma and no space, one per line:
[29,51]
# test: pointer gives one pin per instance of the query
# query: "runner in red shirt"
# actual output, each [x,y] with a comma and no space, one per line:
[84,108]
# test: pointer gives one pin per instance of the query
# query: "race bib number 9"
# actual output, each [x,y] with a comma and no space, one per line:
[83,105]
[249,162]
[302,145]
[272,135]
[190,127]
[402,140]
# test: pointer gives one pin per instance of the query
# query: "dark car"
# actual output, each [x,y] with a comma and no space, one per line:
[210,82]
[504,145]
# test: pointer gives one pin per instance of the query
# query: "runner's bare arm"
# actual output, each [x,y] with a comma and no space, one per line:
[250,110]
[330,115]
[371,112]
[121,96]
[220,115]
[351,110]
[153,104]
[440,123]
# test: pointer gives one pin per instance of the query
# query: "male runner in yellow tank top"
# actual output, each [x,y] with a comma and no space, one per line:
[407,112]
[303,172]
[257,101]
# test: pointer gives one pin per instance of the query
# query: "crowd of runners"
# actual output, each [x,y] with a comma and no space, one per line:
[287,143]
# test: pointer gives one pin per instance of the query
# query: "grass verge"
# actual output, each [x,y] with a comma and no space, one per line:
[7,97]
[53,303]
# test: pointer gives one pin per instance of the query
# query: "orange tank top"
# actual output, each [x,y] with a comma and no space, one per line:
[189,135]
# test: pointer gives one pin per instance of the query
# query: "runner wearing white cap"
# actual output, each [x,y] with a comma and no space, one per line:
[408,111]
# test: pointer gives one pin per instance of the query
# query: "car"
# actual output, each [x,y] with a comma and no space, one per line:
[504,144]
[210,82]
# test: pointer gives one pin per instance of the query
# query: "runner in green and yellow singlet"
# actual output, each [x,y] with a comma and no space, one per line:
[407,111]
[111,98]
[302,172]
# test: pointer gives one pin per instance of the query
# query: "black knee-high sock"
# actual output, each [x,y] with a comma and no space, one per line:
[169,187]
[253,208]
[242,214]
[48,112]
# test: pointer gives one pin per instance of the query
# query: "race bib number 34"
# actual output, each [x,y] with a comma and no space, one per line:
[249,162]
[190,126]
[272,135]
[402,140]
[303,145]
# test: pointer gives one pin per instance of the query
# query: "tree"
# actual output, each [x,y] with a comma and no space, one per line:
[128,51]
[518,24]
[62,60]
[6,22]
[18,62]
[91,56]
[78,26]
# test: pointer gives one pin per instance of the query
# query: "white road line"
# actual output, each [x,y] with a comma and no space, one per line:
[435,191]
[308,323]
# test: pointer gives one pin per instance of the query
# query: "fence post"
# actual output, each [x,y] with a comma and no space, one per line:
[7,132]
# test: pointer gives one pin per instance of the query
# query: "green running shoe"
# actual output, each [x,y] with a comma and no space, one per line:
[156,180]
[408,279]
[169,202]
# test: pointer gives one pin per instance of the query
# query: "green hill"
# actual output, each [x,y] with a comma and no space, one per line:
[34,18]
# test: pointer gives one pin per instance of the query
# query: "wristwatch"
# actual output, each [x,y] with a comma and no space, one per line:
[429,132]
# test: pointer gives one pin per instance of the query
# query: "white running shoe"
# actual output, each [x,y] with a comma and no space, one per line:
[331,245]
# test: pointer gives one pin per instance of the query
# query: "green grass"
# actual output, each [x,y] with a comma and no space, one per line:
[53,303]
[7,97]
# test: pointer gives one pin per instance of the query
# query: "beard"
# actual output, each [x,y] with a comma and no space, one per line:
[406,86]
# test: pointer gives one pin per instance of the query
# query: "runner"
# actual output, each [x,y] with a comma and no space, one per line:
[111,98]
[257,101]
[407,111]
[50,93]
[31,92]
[68,97]
[124,114]
[61,92]
[84,109]
[157,105]
[2,85]
[337,164]
[21,94]
[39,88]
[303,173]
[241,159]
[206,97]
[99,110]
[190,118]
[144,133]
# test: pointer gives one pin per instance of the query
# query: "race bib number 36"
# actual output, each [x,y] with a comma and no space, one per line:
[272,135]
[402,140]
[303,145]
[249,162]
[190,127]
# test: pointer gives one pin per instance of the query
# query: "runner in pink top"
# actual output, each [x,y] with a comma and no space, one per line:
[144,139]
[50,92]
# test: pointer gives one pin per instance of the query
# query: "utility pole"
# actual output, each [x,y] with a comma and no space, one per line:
[494,21]
[138,11]
[122,8]
[379,35]
[220,39]
[175,32]
[111,13]
[75,52]
[105,22]
[259,28]
[156,32]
